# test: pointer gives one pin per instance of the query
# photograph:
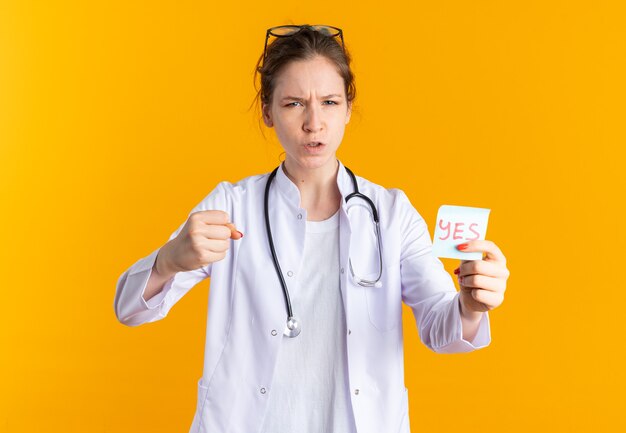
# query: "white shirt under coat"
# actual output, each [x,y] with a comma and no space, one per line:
[310,389]
[247,315]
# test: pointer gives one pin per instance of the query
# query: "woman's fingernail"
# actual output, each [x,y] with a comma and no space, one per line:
[240,233]
[462,247]
[457,271]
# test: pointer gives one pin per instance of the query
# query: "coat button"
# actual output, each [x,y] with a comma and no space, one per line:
[299,216]
[262,390]
[274,332]
[349,332]
[290,274]
[356,392]
[342,270]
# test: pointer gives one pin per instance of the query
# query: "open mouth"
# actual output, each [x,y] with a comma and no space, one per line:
[314,147]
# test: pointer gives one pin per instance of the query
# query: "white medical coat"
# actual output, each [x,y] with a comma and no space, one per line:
[247,314]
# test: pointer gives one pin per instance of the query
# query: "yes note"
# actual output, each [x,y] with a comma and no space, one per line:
[457,225]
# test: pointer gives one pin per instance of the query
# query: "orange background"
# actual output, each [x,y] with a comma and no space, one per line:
[117,118]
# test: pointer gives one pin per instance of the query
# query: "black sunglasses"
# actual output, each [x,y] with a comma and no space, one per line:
[290,30]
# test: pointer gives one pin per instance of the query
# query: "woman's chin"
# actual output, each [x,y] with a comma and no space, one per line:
[312,162]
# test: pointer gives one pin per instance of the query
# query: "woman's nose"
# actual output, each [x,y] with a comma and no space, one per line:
[313,119]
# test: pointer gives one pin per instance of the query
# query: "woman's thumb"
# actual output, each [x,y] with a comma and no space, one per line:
[234,233]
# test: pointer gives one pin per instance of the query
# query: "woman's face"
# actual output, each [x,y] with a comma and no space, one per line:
[309,105]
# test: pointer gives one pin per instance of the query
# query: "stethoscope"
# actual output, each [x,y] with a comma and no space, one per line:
[293,324]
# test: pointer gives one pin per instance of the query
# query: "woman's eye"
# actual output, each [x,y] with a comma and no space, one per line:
[291,104]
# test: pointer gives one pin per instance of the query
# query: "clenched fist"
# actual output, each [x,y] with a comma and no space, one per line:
[205,238]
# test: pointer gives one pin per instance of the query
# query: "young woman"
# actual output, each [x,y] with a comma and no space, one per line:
[304,329]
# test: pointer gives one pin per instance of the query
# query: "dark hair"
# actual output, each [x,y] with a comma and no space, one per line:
[304,45]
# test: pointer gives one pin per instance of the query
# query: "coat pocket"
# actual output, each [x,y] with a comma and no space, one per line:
[405,425]
[199,419]
[384,304]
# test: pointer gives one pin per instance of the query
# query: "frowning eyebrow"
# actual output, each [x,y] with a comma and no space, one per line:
[296,98]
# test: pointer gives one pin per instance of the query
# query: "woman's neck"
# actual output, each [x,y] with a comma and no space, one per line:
[319,193]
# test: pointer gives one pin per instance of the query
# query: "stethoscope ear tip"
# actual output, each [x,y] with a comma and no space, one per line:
[363,283]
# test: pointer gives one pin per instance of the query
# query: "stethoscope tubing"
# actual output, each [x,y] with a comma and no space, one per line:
[293,324]
[272,249]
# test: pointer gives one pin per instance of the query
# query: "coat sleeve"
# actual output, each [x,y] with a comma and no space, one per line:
[129,304]
[429,289]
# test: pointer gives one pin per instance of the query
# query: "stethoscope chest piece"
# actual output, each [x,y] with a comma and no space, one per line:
[293,327]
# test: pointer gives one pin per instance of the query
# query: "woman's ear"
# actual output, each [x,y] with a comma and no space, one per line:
[267,116]
[349,113]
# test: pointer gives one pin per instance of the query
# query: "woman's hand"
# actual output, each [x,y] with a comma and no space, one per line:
[482,282]
[205,238]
